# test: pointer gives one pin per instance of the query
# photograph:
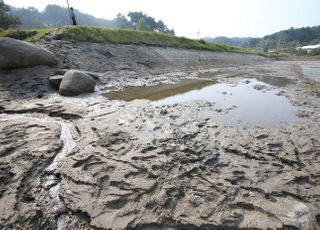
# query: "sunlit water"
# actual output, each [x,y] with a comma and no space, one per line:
[311,69]
[243,103]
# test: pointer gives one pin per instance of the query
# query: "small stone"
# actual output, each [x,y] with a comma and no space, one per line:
[55,81]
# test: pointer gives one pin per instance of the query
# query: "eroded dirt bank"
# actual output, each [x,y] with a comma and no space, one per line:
[89,162]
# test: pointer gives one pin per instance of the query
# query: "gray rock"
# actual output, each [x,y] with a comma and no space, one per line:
[19,54]
[260,87]
[75,83]
[55,81]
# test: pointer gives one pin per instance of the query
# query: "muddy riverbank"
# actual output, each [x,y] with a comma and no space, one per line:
[187,157]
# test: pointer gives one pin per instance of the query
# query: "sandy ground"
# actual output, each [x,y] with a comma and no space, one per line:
[91,163]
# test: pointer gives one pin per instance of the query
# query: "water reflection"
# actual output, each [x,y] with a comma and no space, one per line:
[158,92]
[234,103]
[241,103]
[274,81]
[311,69]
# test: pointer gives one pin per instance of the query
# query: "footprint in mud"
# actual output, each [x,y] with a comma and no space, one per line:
[237,177]
[118,142]
[172,196]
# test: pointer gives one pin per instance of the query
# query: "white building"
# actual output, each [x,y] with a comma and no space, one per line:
[309,48]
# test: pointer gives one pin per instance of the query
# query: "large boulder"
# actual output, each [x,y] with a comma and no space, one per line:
[75,82]
[19,54]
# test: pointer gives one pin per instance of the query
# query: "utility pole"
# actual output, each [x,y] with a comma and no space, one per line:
[266,45]
[198,34]
[69,12]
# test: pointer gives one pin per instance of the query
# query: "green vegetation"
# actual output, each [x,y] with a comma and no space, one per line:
[236,41]
[7,20]
[125,36]
[30,35]
[285,41]
[122,36]
[142,25]
[57,16]
[293,37]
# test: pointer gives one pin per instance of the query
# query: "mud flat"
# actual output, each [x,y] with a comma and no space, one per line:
[196,156]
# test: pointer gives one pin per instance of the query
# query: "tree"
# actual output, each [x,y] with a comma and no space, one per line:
[142,25]
[135,17]
[57,16]
[7,20]
[30,17]
[122,22]
[153,25]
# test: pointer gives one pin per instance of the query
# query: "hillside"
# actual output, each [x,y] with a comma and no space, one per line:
[293,37]
[235,41]
[121,36]
[288,39]
[57,16]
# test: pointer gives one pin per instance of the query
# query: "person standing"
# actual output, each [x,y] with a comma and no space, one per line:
[73,17]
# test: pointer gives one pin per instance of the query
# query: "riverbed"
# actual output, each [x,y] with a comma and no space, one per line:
[231,144]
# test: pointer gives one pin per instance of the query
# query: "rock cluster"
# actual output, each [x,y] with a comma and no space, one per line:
[19,54]
[73,83]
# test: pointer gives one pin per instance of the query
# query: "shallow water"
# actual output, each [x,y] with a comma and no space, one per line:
[311,69]
[234,104]
[270,80]
[242,103]
[274,81]
[158,92]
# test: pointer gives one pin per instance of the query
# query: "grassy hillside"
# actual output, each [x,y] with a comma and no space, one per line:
[121,36]
[29,35]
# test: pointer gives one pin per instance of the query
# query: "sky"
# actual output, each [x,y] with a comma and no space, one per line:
[231,18]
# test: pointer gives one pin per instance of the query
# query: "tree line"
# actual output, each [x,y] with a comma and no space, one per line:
[283,40]
[292,38]
[7,20]
[57,16]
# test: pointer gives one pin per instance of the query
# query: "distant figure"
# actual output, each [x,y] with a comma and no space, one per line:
[73,17]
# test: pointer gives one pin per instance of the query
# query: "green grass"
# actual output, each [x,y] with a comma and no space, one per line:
[30,35]
[123,36]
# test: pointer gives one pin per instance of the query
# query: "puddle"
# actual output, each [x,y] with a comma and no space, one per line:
[274,81]
[270,80]
[157,92]
[311,70]
[235,104]
[242,103]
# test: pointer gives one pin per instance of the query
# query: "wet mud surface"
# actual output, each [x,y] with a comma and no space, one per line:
[244,102]
[90,162]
